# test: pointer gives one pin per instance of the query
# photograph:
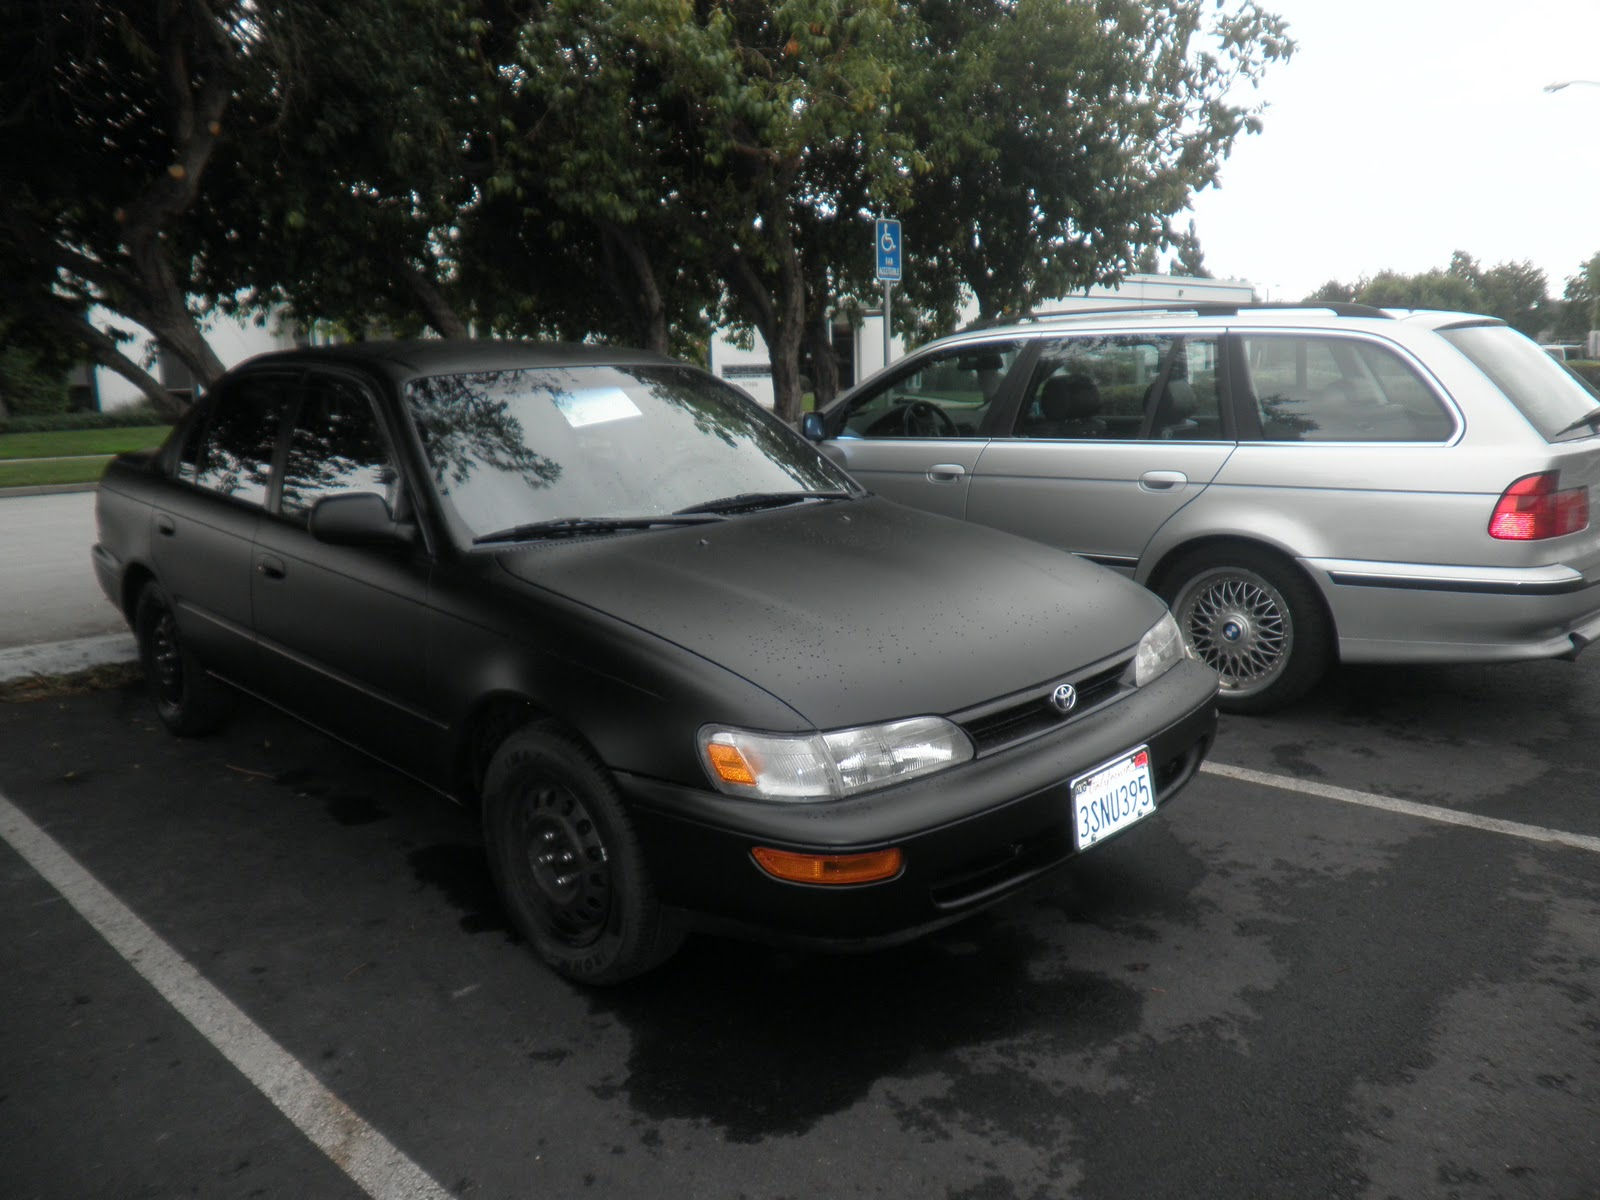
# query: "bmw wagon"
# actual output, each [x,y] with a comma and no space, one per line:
[1304,485]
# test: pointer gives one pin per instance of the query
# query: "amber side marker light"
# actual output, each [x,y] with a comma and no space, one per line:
[729,764]
[829,868]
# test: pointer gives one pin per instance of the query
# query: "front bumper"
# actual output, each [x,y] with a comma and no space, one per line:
[970,836]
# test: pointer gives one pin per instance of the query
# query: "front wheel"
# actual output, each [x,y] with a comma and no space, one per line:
[189,701]
[1255,620]
[567,863]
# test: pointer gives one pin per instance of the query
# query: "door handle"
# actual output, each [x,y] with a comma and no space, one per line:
[945,472]
[165,525]
[1162,481]
[270,567]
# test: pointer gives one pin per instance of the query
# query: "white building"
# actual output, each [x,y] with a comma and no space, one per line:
[860,348]
[231,340]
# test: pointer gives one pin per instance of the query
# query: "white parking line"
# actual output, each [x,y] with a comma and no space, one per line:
[355,1147]
[1409,808]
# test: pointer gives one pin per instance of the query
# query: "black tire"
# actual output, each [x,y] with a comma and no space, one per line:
[189,701]
[567,863]
[1255,619]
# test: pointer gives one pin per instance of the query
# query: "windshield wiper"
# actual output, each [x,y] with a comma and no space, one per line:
[582,526]
[1590,418]
[751,501]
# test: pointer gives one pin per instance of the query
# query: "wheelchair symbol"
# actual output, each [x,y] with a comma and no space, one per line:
[887,242]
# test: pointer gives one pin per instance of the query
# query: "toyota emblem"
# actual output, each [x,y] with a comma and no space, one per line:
[1065,698]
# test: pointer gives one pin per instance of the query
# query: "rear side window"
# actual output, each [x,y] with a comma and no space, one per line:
[1550,395]
[235,452]
[1331,389]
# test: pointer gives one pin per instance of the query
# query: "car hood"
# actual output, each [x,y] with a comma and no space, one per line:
[855,612]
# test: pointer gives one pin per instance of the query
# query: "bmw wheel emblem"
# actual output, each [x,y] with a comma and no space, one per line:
[1065,698]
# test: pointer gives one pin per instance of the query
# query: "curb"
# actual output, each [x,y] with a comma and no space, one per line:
[47,489]
[65,658]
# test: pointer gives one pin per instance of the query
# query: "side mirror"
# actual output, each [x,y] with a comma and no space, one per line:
[813,427]
[358,519]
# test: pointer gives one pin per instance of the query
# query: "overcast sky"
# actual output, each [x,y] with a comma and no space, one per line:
[1403,130]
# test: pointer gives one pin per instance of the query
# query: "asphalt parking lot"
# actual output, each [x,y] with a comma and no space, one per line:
[1272,989]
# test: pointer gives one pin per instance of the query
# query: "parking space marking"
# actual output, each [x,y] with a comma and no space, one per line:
[1409,808]
[369,1159]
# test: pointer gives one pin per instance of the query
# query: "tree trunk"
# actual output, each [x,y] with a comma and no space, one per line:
[436,310]
[643,298]
[824,363]
[103,350]
[778,311]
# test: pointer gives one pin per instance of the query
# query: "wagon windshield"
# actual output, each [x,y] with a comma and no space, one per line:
[519,447]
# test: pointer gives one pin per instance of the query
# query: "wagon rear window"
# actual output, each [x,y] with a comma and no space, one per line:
[1550,395]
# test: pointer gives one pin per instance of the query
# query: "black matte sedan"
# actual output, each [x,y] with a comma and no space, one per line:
[689,671]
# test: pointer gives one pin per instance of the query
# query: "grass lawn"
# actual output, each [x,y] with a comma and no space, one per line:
[60,470]
[81,441]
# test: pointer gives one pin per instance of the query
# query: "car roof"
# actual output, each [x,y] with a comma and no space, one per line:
[447,356]
[1328,316]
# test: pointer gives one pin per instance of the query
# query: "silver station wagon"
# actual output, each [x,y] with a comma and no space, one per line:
[1303,485]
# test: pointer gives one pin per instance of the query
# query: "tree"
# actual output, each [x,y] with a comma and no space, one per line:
[112,114]
[159,161]
[1062,138]
[1191,260]
[711,140]
[1579,310]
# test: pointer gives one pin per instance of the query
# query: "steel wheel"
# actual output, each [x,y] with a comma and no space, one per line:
[186,697]
[568,864]
[567,861]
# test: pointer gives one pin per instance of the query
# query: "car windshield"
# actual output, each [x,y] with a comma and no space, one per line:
[510,449]
[1552,396]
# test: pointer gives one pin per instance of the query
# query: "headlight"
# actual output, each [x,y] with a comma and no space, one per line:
[827,766]
[1159,651]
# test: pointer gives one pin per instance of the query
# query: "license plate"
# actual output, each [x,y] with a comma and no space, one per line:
[1112,797]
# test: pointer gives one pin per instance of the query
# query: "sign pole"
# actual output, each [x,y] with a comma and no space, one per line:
[888,291]
[888,246]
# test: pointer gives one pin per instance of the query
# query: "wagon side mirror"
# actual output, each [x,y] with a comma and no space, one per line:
[358,519]
[813,427]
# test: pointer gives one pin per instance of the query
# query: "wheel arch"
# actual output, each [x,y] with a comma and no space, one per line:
[492,719]
[134,578]
[1218,544]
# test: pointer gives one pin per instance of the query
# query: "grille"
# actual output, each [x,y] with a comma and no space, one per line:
[1032,713]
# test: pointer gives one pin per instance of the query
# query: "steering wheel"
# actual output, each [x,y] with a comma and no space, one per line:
[925,419]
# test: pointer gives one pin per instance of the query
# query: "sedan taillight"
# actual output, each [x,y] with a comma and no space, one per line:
[1532,508]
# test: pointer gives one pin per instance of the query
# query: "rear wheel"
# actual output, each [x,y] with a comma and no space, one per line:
[189,701]
[1254,619]
[567,862]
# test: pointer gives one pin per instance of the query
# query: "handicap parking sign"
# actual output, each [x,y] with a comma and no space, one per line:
[889,246]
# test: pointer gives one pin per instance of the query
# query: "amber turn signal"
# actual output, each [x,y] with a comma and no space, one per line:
[871,867]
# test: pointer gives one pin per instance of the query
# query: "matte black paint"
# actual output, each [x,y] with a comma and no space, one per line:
[815,616]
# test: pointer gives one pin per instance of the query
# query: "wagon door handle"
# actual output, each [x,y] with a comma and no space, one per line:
[271,568]
[165,525]
[945,472]
[1162,481]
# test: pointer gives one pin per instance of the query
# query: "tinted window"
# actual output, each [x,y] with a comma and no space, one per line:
[336,446]
[1124,387]
[508,447]
[944,394]
[1328,389]
[1548,393]
[235,457]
